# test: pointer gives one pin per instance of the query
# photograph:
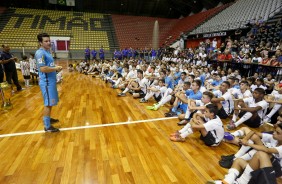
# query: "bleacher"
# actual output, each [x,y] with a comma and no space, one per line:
[239,14]
[137,32]
[84,29]
[190,22]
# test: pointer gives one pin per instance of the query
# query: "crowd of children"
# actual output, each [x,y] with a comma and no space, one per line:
[201,96]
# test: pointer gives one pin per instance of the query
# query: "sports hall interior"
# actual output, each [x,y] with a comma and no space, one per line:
[105,138]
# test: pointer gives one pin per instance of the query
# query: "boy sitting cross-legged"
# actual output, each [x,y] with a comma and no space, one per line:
[194,106]
[209,125]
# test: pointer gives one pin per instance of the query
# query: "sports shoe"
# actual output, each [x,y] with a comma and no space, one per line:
[52,120]
[150,107]
[121,94]
[142,100]
[171,114]
[228,136]
[226,163]
[155,108]
[214,182]
[227,157]
[51,129]
[231,126]
[183,122]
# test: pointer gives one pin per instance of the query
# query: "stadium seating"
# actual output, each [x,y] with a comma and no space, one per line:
[83,28]
[190,22]
[136,32]
[239,14]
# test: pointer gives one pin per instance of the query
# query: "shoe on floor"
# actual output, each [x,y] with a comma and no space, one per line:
[143,100]
[121,94]
[150,107]
[228,136]
[183,122]
[171,114]
[227,157]
[52,120]
[51,129]
[214,182]
[226,163]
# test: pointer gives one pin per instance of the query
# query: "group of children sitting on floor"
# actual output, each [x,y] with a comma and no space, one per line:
[201,97]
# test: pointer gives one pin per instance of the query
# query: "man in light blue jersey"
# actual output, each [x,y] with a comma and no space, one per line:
[47,83]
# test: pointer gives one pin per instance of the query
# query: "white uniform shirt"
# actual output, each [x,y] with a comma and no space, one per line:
[263,104]
[25,67]
[227,104]
[215,126]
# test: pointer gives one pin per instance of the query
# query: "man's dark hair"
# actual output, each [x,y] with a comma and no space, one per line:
[41,35]
[209,94]
[260,91]
[198,82]
[244,82]
[162,80]
[232,79]
[192,76]
[226,82]
[212,108]
[183,73]
[140,71]
[187,83]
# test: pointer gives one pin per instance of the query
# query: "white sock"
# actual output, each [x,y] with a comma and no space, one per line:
[248,156]
[188,113]
[232,175]
[167,92]
[185,128]
[27,82]
[117,82]
[275,108]
[186,133]
[238,133]
[234,118]
[164,101]
[126,89]
[246,176]
[243,150]
[149,95]
[244,118]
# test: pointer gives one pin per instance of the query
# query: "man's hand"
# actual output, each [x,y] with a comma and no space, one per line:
[59,68]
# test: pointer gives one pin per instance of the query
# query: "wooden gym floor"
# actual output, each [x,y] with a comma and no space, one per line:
[122,153]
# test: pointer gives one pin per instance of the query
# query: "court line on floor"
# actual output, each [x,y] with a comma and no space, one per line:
[88,127]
